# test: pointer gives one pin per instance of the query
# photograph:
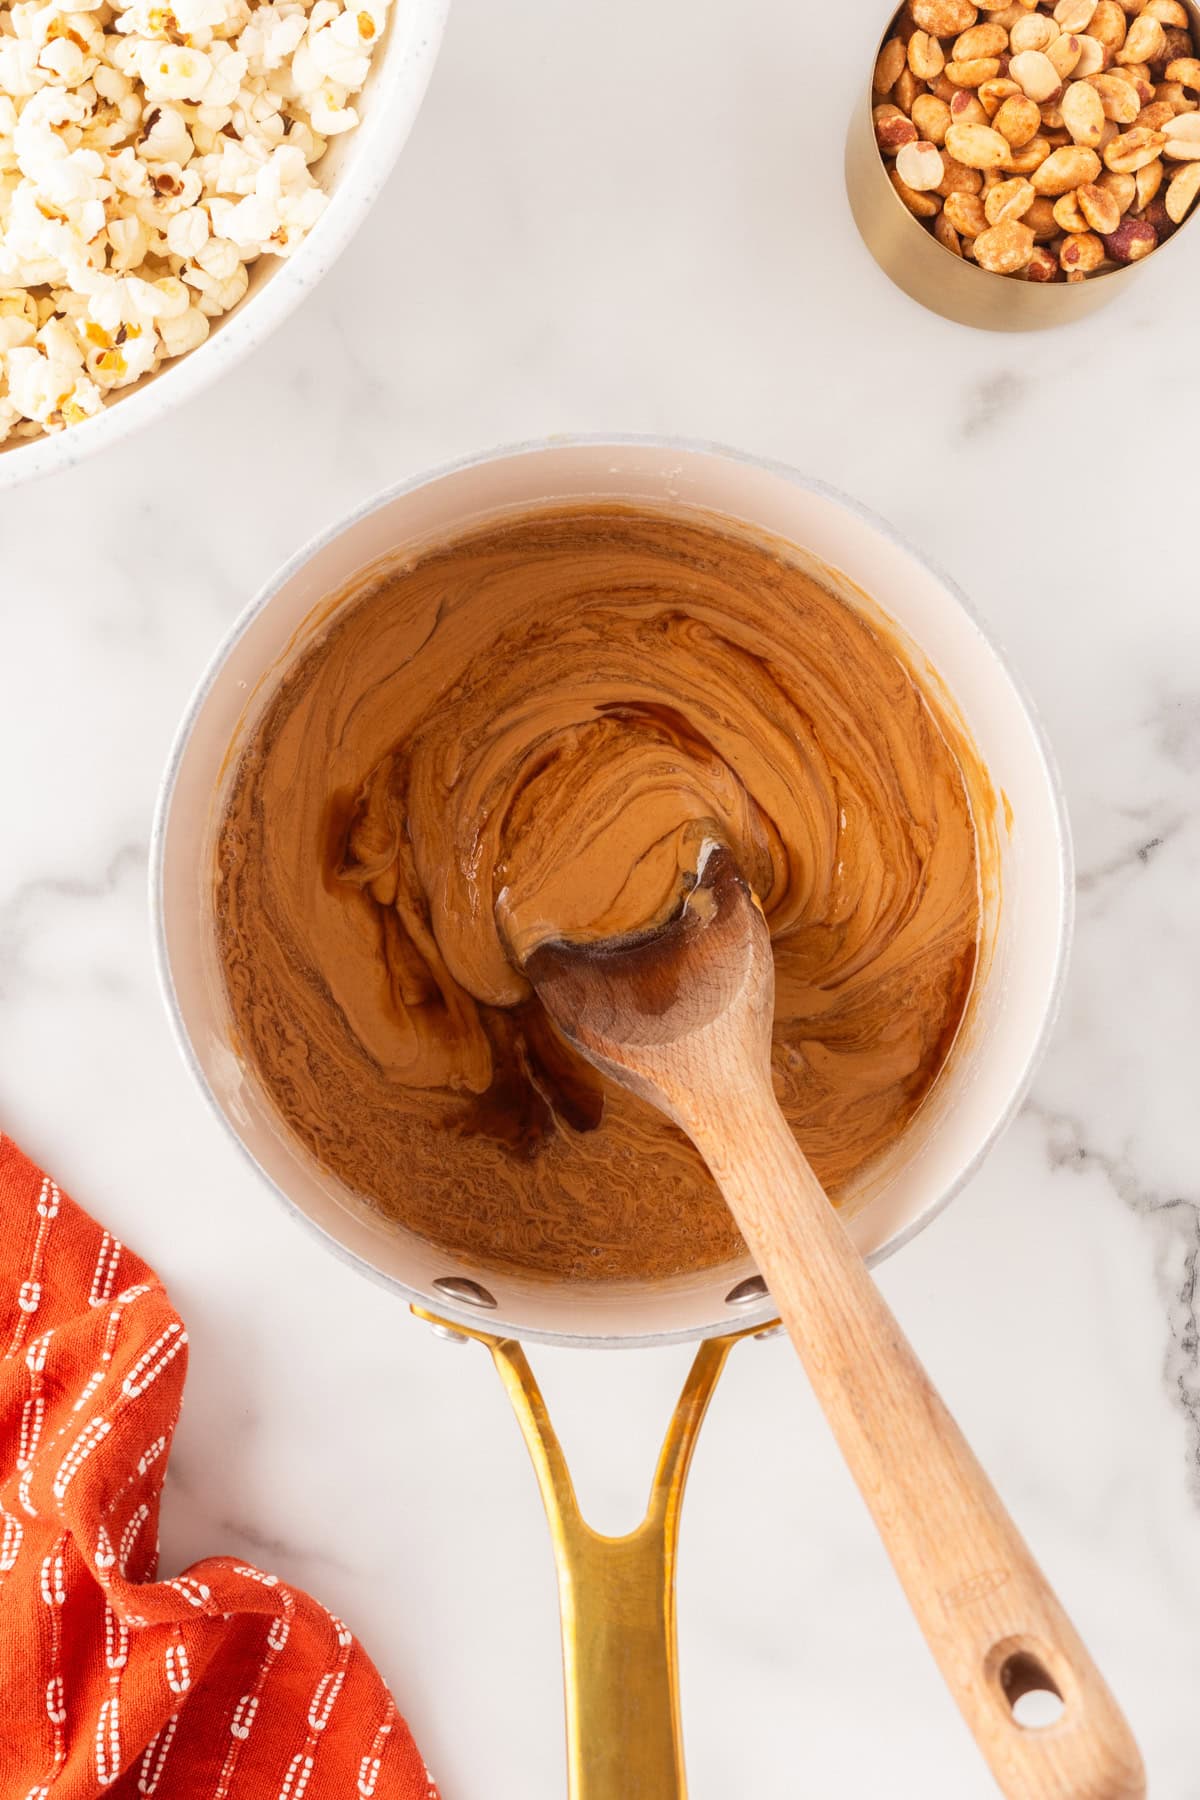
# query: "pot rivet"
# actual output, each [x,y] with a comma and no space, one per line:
[459,1287]
[448,1334]
[760,1337]
[745,1293]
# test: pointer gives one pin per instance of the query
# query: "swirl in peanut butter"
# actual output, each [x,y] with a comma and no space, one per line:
[526,733]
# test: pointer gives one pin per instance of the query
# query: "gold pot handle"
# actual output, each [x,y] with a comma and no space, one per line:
[616,1594]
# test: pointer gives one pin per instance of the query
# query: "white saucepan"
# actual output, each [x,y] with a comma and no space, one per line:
[618,1621]
[1027,911]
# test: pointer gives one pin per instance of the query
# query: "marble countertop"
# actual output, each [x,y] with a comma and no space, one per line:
[631,218]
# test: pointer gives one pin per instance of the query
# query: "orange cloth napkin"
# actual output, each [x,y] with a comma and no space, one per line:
[220,1684]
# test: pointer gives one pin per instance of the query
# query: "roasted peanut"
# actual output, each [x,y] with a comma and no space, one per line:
[1036,74]
[1004,249]
[1064,53]
[944,18]
[892,129]
[1119,98]
[1034,32]
[1083,251]
[1156,214]
[992,94]
[1005,15]
[1082,113]
[1099,208]
[1132,150]
[957,178]
[922,206]
[1144,41]
[890,61]
[1018,120]
[1074,15]
[1185,70]
[925,57]
[1029,157]
[1108,25]
[1133,239]
[906,89]
[919,166]
[965,212]
[930,118]
[973,74]
[1067,215]
[946,235]
[1009,199]
[980,40]
[1149,179]
[1123,188]
[1176,96]
[1156,116]
[1041,266]
[965,109]
[1181,138]
[1093,58]
[1182,192]
[978,146]
[1176,44]
[1040,220]
[1064,170]
[1168,12]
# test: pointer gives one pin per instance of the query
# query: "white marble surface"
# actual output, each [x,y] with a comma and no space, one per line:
[631,217]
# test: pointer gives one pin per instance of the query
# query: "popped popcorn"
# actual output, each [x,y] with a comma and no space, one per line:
[149,153]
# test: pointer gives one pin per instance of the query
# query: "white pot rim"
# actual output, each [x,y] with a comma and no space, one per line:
[750,1316]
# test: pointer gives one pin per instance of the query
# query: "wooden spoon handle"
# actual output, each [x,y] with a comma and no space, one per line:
[987,1611]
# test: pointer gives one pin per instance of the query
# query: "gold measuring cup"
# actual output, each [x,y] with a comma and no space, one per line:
[951,285]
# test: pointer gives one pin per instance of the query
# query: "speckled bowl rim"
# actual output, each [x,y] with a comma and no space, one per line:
[763,1314]
[396,91]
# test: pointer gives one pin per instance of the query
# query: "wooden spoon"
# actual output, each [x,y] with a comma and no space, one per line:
[682,1017]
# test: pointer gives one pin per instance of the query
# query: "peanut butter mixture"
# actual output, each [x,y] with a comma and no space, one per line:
[526,733]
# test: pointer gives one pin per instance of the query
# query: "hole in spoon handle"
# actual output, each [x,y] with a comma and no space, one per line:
[1064,1738]
[1027,1687]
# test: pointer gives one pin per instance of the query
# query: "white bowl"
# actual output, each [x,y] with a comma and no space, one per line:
[352,171]
[1027,912]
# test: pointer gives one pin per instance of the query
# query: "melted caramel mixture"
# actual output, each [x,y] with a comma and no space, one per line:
[526,733]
